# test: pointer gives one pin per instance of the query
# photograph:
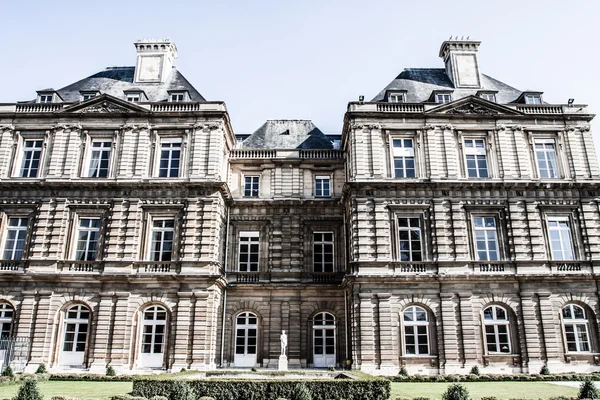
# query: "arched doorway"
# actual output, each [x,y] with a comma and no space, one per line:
[153,337]
[324,340]
[246,337]
[7,313]
[76,328]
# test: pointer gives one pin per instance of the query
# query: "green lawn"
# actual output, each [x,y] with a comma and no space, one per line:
[80,389]
[501,390]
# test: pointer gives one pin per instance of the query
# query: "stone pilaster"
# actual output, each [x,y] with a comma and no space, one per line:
[367,332]
[99,353]
[469,334]
[450,335]
[532,332]
[388,336]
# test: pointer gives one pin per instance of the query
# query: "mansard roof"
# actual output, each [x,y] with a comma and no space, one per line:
[115,81]
[287,134]
[419,83]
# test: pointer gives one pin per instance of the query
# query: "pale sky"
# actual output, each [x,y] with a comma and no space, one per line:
[302,59]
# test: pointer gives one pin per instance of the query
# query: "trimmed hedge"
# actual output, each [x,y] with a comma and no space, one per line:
[374,389]
[495,378]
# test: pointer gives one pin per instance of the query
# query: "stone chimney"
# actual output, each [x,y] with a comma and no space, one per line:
[154,60]
[462,63]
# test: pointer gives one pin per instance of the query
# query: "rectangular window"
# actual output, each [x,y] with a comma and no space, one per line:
[133,98]
[486,238]
[404,158]
[251,186]
[88,234]
[323,251]
[322,188]
[476,158]
[99,158]
[161,236]
[175,97]
[488,96]
[46,98]
[577,337]
[533,99]
[89,95]
[409,235]
[248,254]
[561,240]
[443,98]
[170,158]
[14,244]
[545,154]
[397,98]
[32,154]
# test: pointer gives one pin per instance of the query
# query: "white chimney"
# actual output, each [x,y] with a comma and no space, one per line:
[462,63]
[154,60]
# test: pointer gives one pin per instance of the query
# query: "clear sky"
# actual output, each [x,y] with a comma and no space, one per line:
[302,59]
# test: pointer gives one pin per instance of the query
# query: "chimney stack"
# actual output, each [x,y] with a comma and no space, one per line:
[154,60]
[462,63]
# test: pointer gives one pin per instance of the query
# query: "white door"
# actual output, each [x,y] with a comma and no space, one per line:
[324,340]
[153,334]
[75,336]
[246,335]
[6,318]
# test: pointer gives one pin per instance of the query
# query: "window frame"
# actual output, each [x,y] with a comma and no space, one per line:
[397,154]
[409,229]
[164,229]
[472,151]
[415,324]
[488,96]
[5,236]
[555,217]
[90,151]
[6,307]
[19,167]
[43,98]
[323,243]
[533,99]
[252,190]
[485,229]
[495,323]
[400,97]
[443,96]
[90,94]
[316,186]
[574,322]
[75,247]
[545,141]
[249,262]
[178,96]
[170,140]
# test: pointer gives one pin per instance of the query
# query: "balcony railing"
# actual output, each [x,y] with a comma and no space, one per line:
[574,266]
[38,107]
[401,107]
[540,109]
[490,267]
[326,277]
[325,154]
[535,109]
[12,265]
[156,267]
[413,267]
[80,266]
[186,107]
[244,277]
[302,154]
[252,153]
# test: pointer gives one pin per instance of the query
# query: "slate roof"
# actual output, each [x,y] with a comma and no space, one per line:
[419,84]
[115,80]
[286,135]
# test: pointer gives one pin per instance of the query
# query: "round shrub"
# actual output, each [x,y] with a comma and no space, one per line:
[588,390]
[41,369]
[403,371]
[110,371]
[456,391]
[181,391]
[474,370]
[8,372]
[29,390]
[544,370]
[301,392]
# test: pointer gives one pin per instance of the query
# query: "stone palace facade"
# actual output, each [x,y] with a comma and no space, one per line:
[456,224]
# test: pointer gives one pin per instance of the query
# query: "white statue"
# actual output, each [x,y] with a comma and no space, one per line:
[283,338]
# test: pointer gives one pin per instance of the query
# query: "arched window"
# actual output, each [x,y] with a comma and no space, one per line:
[154,330]
[7,313]
[576,326]
[324,340]
[246,339]
[77,320]
[497,328]
[416,331]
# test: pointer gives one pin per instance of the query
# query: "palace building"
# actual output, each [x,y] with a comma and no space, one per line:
[456,223]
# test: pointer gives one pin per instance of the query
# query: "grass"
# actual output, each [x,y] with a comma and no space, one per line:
[80,389]
[501,390]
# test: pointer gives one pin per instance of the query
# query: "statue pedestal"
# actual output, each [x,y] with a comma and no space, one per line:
[283,363]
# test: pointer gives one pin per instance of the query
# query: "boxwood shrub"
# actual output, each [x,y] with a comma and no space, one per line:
[374,389]
[495,378]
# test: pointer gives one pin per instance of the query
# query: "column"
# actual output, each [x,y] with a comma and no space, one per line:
[450,333]
[181,331]
[468,326]
[123,326]
[549,323]
[367,332]
[531,330]
[99,351]
[199,344]
[388,336]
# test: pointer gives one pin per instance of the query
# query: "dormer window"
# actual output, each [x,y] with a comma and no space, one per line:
[135,96]
[489,96]
[176,96]
[46,98]
[397,97]
[443,98]
[533,99]
[88,95]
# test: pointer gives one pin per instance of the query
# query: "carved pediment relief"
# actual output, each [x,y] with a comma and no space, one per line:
[473,106]
[104,104]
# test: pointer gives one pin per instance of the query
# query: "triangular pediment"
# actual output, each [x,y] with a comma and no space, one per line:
[105,104]
[473,105]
